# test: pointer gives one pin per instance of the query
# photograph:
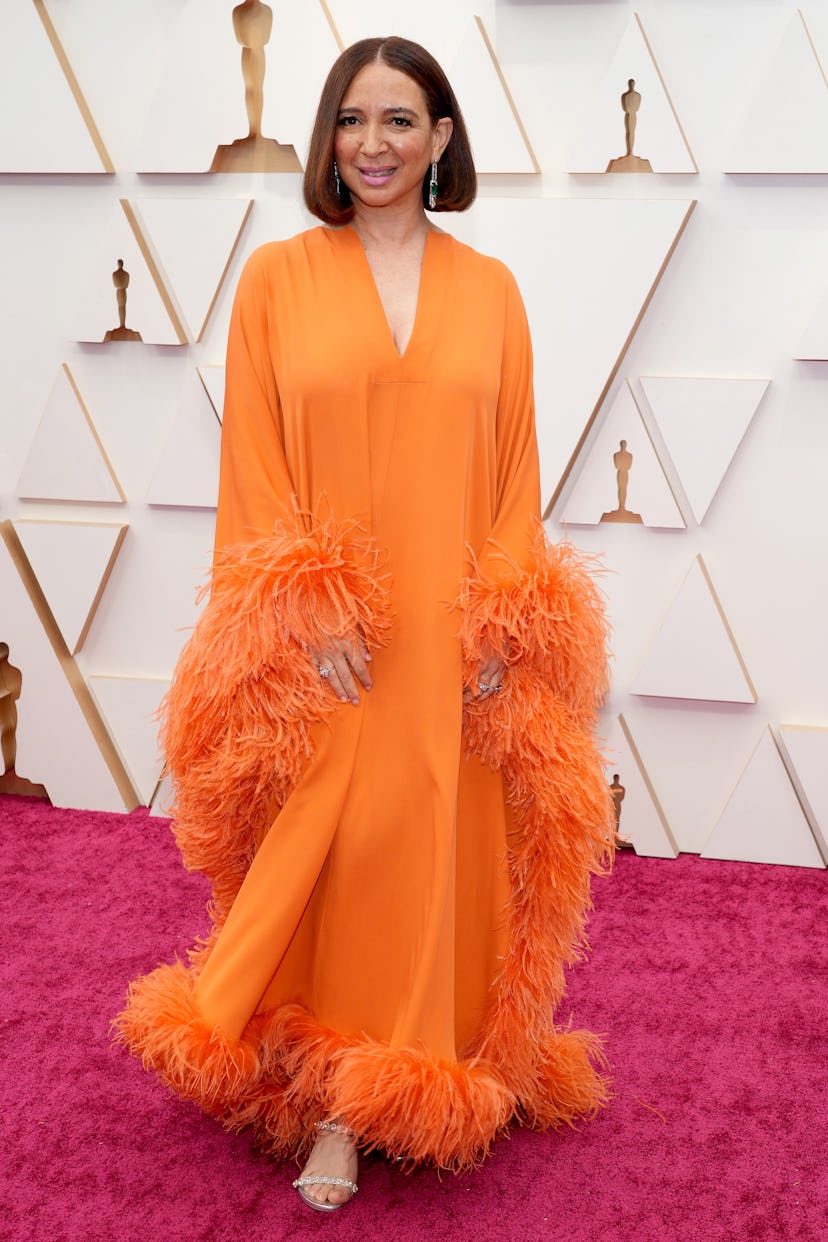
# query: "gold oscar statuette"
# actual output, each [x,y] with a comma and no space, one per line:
[11,683]
[617,792]
[120,279]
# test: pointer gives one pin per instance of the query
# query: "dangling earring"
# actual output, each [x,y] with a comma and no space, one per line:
[432,187]
[336,179]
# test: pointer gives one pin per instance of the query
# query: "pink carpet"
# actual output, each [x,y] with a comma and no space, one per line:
[710,979]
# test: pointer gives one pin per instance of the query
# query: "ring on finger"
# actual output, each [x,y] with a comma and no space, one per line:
[324,671]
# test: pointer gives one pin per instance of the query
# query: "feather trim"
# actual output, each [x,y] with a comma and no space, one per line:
[237,718]
[549,617]
[287,1071]
[163,1026]
[548,624]
[239,708]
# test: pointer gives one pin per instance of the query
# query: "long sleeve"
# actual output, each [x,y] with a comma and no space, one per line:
[518,471]
[255,485]
[283,580]
[533,602]
[537,605]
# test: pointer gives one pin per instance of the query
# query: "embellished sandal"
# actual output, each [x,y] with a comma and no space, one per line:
[322,1179]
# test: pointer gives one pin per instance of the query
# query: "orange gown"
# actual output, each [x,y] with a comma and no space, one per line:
[397,886]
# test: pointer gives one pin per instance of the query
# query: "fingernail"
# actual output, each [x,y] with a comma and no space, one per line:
[343,698]
[355,702]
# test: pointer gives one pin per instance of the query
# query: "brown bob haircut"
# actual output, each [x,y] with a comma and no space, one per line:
[458,181]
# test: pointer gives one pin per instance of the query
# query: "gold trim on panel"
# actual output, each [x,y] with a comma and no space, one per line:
[649,48]
[658,456]
[636,754]
[74,86]
[98,441]
[73,675]
[102,585]
[329,18]
[224,270]
[490,49]
[617,364]
[813,46]
[149,259]
[216,412]
[726,625]
[795,779]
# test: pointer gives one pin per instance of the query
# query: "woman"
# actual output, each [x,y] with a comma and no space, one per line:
[380,728]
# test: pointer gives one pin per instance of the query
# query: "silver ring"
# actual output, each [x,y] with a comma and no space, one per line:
[498,688]
[483,686]
[323,671]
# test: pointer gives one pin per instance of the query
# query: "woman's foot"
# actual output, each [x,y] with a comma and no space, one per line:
[334,1157]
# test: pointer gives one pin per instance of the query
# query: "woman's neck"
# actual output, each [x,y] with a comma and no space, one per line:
[396,227]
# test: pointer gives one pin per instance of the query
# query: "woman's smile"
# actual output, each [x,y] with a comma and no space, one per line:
[376,176]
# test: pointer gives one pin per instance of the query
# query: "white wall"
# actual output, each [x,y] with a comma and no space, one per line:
[736,300]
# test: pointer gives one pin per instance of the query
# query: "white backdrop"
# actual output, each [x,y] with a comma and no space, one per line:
[650,297]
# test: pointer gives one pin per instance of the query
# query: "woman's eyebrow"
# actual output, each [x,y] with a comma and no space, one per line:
[397,111]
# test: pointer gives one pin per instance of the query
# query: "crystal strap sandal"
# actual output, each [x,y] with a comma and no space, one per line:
[322,1179]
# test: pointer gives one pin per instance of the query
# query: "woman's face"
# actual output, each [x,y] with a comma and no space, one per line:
[385,139]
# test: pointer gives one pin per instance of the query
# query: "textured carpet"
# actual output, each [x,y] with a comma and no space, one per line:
[709,978]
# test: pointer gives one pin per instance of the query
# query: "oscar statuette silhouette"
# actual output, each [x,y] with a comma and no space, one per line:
[120,279]
[11,684]
[629,162]
[253,25]
[622,459]
[617,792]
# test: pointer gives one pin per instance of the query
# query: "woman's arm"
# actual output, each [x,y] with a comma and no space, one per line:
[530,604]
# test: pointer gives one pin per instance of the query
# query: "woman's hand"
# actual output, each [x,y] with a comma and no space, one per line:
[343,662]
[490,674]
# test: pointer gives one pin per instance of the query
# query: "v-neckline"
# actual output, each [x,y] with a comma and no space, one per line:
[418,310]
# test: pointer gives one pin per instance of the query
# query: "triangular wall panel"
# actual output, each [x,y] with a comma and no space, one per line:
[129,706]
[72,562]
[609,253]
[194,240]
[703,422]
[62,741]
[67,460]
[694,654]
[501,144]
[763,821]
[805,751]
[693,753]
[643,821]
[658,134]
[149,309]
[47,126]
[785,129]
[595,490]
[187,474]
